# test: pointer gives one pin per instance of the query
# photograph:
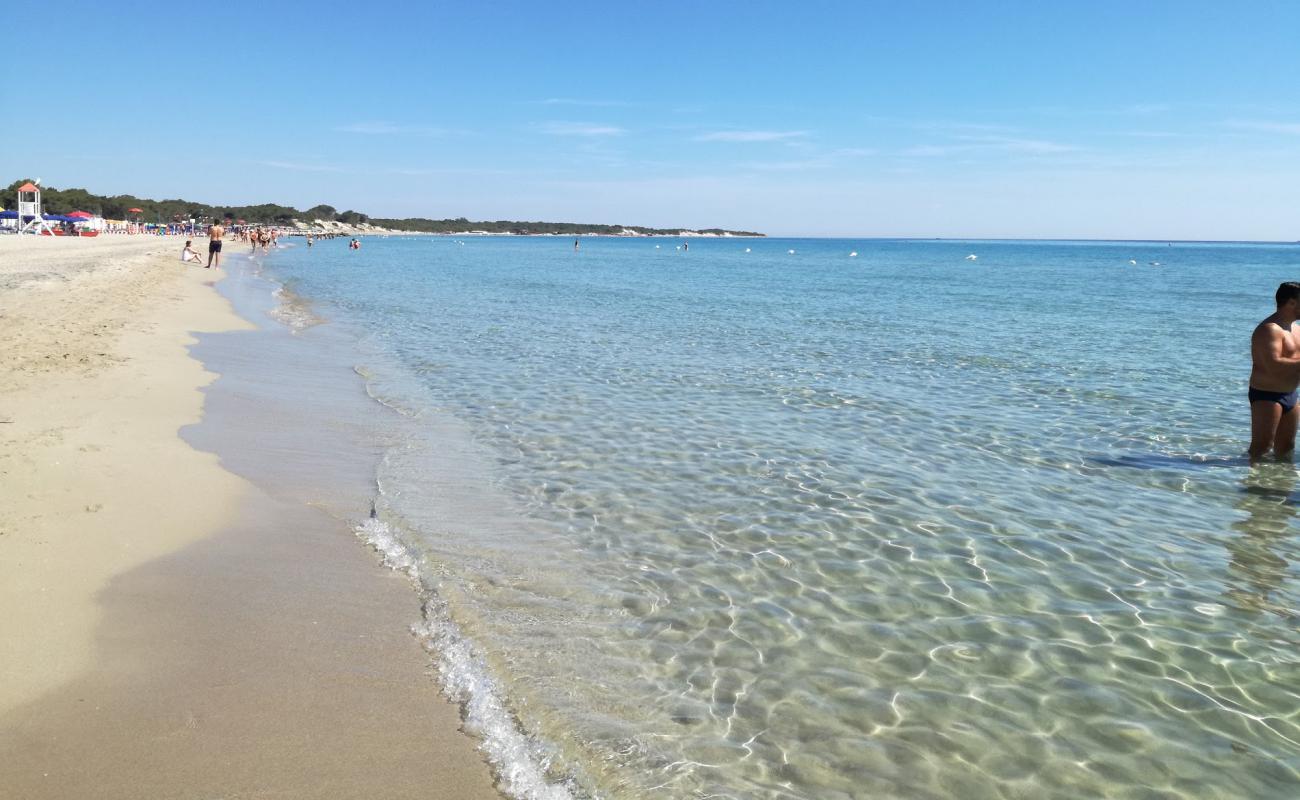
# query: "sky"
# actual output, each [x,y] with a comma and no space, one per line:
[1137,119]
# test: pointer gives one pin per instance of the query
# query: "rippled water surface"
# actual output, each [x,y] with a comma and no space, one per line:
[766,524]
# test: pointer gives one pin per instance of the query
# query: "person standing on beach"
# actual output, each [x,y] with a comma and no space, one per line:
[1274,376]
[215,232]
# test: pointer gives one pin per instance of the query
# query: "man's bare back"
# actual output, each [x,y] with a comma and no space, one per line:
[215,232]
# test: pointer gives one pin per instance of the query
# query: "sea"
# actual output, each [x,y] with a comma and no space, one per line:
[827,518]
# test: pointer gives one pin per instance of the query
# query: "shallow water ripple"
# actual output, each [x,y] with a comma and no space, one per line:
[727,527]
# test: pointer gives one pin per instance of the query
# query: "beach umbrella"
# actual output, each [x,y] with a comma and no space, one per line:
[80,215]
[135,211]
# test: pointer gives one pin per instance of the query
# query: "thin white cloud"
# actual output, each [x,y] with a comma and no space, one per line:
[420,172]
[297,167]
[570,101]
[933,150]
[1150,134]
[584,129]
[957,128]
[1148,108]
[1004,144]
[750,136]
[788,166]
[392,128]
[1265,126]
[815,160]
[1017,145]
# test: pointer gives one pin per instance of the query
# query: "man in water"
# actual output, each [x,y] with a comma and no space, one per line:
[1274,376]
[215,232]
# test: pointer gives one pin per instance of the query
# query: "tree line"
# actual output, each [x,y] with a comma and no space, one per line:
[461,224]
[64,201]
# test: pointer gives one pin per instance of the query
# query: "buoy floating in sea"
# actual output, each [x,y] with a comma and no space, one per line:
[854,254]
[746,249]
[971,257]
[791,252]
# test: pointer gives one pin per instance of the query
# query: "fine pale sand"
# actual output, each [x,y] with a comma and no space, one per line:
[168,630]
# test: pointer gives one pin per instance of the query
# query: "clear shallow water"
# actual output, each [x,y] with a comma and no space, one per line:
[729,524]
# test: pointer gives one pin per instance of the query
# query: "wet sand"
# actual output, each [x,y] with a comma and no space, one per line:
[170,629]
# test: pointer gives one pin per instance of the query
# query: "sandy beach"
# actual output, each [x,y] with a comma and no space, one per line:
[170,629]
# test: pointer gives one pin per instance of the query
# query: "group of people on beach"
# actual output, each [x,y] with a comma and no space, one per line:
[264,237]
[216,236]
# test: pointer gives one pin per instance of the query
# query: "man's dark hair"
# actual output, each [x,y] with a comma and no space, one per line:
[1287,291]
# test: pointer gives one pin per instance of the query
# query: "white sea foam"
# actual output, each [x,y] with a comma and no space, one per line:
[292,310]
[395,555]
[520,764]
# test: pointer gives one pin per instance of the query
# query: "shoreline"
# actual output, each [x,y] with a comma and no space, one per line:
[171,628]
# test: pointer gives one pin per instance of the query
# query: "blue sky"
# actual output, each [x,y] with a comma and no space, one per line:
[1096,120]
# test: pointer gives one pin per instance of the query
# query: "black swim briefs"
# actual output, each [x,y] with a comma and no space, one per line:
[1285,399]
[214,246]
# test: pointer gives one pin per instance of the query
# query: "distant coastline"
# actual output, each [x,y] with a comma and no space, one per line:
[325,217]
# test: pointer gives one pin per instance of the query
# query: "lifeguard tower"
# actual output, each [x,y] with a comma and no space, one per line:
[29,205]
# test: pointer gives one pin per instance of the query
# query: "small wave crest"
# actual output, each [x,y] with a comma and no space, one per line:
[293,310]
[520,764]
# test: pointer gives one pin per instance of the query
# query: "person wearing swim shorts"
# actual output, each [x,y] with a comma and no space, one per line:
[1274,376]
[215,232]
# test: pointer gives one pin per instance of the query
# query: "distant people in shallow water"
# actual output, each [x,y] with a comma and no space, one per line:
[1274,376]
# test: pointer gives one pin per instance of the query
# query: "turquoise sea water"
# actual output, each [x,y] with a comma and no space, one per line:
[741,522]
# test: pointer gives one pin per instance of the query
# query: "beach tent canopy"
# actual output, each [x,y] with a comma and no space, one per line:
[46,217]
[29,217]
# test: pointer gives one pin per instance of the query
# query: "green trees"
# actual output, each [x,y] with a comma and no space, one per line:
[350,217]
[461,225]
[320,212]
[63,201]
